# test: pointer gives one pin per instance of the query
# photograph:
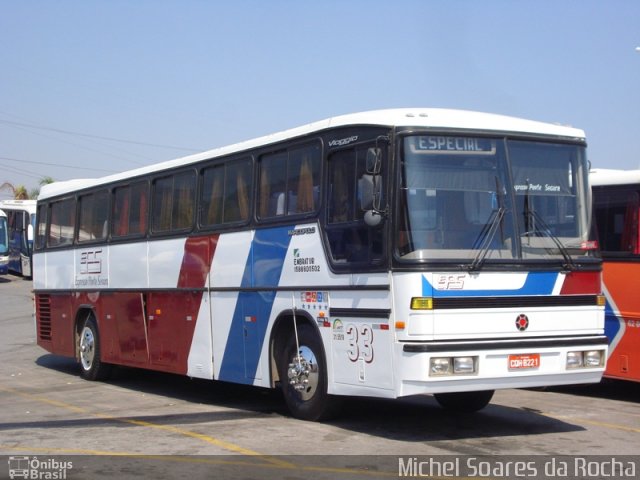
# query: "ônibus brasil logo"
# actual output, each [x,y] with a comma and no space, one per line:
[34,468]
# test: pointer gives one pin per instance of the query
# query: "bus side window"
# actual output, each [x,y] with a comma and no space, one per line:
[62,223]
[350,239]
[303,183]
[140,209]
[273,171]
[41,228]
[94,213]
[237,189]
[290,182]
[121,206]
[130,208]
[616,213]
[225,193]
[173,202]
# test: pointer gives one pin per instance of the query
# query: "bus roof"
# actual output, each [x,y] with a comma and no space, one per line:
[401,117]
[603,176]
[28,205]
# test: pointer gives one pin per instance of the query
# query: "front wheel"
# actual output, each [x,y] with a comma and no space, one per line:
[91,365]
[464,402]
[303,376]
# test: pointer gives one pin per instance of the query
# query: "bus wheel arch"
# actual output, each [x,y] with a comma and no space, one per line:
[301,367]
[87,345]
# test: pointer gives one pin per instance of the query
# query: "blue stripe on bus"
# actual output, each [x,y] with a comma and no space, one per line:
[612,324]
[253,309]
[537,283]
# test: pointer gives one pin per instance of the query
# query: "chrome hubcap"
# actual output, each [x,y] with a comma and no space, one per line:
[303,373]
[87,351]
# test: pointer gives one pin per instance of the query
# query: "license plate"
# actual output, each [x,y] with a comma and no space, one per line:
[520,362]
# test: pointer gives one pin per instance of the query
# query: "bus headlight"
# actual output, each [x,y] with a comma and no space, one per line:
[574,359]
[464,365]
[593,358]
[441,366]
[586,359]
[453,366]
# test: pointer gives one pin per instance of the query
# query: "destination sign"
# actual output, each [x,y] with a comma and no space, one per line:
[438,144]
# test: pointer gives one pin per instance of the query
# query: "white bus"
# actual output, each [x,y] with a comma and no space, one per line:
[21,219]
[4,244]
[385,254]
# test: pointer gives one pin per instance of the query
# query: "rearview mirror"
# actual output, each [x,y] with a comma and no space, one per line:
[374,160]
[366,191]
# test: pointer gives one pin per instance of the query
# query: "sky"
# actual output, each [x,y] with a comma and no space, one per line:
[93,87]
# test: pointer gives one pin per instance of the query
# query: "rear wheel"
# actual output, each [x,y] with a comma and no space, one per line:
[91,365]
[464,401]
[303,376]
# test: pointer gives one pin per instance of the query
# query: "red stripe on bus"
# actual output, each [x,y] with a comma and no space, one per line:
[582,283]
[196,262]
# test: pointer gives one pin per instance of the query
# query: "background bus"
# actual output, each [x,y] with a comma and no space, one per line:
[616,203]
[21,220]
[386,254]
[4,244]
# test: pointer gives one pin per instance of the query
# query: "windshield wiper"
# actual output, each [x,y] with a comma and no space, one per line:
[489,230]
[533,219]
[546,230]
[486,236]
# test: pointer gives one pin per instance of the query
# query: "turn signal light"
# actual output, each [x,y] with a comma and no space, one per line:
[421,303]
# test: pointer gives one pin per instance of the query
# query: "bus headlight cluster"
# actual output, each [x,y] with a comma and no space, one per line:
[440,366]
[585,359]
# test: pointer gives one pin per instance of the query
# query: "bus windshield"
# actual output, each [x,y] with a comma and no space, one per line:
[465,198]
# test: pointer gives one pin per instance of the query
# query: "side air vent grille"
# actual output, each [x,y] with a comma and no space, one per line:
[43,312]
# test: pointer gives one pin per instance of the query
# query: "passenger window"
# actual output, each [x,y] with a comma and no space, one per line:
[94,213]
[41,230]
[173,202]
[273,174]
[225,193]
[62,223]
[616,215]
[130,207]
[290,182]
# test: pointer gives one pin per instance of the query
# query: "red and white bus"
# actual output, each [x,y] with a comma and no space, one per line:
[385,254]
[616,207]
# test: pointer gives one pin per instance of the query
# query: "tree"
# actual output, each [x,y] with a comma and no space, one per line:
[36,191]
[19,192]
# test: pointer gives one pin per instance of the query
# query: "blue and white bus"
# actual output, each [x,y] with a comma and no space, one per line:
[21,219]
[4,244]
[385,254]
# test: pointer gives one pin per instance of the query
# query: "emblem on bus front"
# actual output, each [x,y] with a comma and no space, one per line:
[522,322]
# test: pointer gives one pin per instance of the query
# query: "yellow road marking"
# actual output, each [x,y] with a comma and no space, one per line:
[232,447]
[595,423]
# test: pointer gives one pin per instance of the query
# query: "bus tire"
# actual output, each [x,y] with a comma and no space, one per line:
[464,402]
[303,376]
[91,365]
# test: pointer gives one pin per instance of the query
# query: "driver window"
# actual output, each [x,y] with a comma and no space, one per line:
[350,240]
